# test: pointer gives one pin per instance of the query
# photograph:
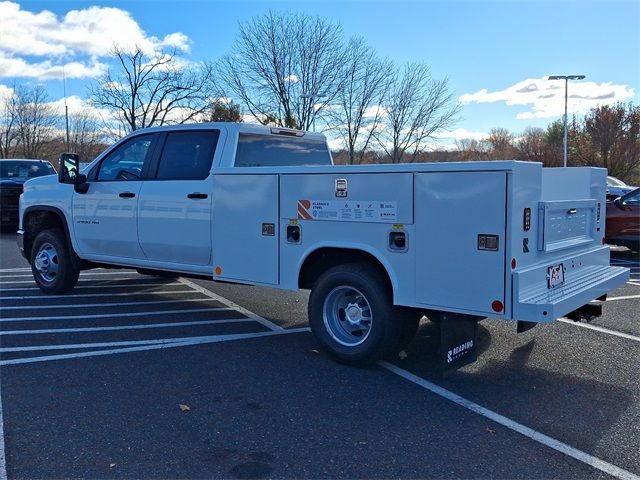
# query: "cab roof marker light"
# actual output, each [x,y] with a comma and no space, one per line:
[287,131]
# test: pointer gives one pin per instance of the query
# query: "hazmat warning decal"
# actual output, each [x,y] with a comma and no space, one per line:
[352,210]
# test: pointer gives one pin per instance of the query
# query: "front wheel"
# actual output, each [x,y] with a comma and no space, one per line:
[52,265]
[352,316]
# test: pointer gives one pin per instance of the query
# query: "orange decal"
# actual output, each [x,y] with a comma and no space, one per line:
[303,209]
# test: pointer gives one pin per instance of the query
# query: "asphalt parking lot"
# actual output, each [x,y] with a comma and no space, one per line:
[132,376]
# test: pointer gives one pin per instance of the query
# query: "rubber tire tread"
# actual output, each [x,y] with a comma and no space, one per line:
[68,272]
[388,320]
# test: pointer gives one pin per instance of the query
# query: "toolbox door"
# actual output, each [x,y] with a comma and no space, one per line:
[245,228]
[460,234]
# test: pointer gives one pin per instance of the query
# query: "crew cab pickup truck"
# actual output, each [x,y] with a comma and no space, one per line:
[379,246]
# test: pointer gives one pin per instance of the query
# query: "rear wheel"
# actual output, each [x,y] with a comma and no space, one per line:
[53,267]
[352,316]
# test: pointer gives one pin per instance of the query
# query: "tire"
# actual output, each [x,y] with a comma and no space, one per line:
[352,316]
[52,263]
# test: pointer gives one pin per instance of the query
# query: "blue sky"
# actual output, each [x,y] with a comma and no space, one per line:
[495,54]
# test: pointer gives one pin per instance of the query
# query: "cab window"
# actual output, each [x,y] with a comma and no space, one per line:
[271,151]
[126,161]
[187,155]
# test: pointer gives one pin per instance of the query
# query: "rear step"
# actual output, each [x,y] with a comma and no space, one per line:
[542,304]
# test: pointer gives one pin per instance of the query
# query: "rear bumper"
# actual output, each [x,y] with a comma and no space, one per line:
[587,277]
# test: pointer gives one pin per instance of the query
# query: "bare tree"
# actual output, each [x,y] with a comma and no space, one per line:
[358,110]
[8,132]
[144,91]
[418,106]
[531,145]
[87,138]
[472,149]
[35,120]
[285,68]
[501,144]
[609,137]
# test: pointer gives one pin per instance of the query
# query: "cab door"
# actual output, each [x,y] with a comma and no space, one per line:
[105,217]
[174,210]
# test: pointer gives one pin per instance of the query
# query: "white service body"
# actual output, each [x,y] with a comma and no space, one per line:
[466,248]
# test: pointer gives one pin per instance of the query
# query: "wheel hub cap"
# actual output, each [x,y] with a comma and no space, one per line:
[46,262]
[353,314]
[347,316]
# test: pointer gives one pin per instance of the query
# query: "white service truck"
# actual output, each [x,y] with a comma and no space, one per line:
[379,246]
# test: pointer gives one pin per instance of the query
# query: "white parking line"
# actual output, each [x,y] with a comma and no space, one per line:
[126,327]
[622,260]
[81,295]
[515,426]
[626,297]
[596,328]
[234,306]
[132,314]
[156,284]
[2,270]
[176,343]
[3,462]
[82,275]
[123,343]
[121,304]
[81,280]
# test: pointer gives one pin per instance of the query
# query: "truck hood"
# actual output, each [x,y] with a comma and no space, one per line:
[40,181]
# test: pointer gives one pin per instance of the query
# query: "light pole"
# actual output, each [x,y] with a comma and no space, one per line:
[312,97]
[566,79]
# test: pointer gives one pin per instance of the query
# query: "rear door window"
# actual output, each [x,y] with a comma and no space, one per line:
[187,155]
[271,151]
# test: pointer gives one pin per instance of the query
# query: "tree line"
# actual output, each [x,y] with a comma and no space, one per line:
[607,136]
[300,71]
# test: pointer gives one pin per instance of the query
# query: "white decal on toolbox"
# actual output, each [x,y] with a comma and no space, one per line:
[348,210]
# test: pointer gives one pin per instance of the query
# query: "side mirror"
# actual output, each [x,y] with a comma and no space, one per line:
[69,172]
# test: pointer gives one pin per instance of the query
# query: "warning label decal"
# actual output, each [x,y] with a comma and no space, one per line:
[352,210]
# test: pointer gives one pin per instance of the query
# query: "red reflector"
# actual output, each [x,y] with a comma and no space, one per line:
[513,263]
[497,306]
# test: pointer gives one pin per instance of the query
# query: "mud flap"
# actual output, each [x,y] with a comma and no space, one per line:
[458,342]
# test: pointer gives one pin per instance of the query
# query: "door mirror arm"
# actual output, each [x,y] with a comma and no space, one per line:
[81,185]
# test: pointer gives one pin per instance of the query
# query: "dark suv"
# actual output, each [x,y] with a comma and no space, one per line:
[13,174]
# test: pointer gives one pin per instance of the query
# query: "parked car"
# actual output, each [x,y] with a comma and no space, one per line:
[616,188]
[13,174]
[623,221]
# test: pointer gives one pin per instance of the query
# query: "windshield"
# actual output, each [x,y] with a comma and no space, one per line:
[614,182]
[25,169]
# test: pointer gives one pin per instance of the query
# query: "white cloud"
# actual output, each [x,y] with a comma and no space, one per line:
[5,93]
[31,43]
[18,67]
[545,98]
[461,134]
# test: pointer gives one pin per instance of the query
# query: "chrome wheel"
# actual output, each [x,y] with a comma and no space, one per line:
[46,262]
[347,316]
